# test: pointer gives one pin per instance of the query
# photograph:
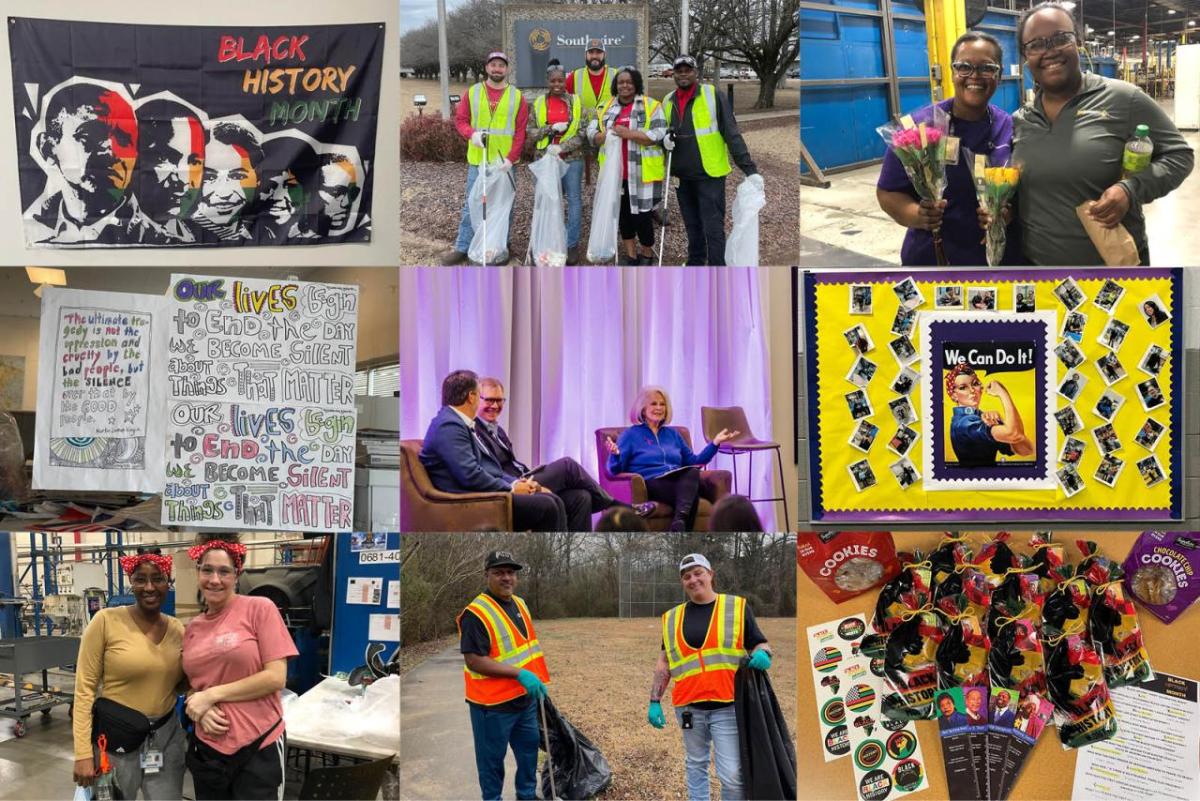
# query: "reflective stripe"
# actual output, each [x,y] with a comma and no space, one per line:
[710,101]
[495,617]
[539,114]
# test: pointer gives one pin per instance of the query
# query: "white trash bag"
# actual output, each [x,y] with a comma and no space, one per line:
[500,193]
[741,247]
[548,235]
[606,206]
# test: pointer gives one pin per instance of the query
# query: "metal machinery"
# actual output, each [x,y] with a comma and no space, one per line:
[296,591]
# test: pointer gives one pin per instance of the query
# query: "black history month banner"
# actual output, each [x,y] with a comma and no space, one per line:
[168,136]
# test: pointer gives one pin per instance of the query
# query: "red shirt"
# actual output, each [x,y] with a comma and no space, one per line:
[682,98]
[596,79]
[232,645]
[462,118]
[556,111]
[623,119]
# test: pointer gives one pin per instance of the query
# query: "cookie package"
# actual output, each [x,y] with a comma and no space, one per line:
[1162,571]
[844,564]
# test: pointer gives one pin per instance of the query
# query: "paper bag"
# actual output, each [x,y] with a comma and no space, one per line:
[1116,245]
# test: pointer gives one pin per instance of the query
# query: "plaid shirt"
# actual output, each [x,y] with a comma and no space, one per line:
[642,196]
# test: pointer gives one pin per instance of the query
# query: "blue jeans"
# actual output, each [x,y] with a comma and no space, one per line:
[715,730]
[465,231]
[494,732]
[572,184]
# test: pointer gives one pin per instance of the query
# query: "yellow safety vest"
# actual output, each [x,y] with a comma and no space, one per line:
[706,673]
[539,112]
[500,124]
[583,87]
[714,155]
[653,165]
[508,648]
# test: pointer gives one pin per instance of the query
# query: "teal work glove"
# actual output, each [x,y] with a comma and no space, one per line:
[760,660]
[655,715]
[532,684]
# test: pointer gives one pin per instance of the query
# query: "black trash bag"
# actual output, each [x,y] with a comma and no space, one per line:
[580,770]
[768,756]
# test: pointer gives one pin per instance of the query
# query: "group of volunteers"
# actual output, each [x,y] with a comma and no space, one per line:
[704,641]
[1069,144]
[230,661]
[694,124]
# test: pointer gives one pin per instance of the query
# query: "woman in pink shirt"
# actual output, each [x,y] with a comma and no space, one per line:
[235,656]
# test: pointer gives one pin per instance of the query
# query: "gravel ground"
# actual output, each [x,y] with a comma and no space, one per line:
[431,197]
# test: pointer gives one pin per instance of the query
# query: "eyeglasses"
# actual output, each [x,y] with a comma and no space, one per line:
[965,69]
[224,573]
[1036,47]
[492,401]
[142,581]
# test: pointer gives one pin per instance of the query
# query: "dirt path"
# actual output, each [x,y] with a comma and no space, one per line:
[600,673]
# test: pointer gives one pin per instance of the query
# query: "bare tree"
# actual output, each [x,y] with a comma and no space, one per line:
[764,35]
[707,36]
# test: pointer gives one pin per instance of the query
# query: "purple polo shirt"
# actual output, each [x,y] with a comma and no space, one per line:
[961,235]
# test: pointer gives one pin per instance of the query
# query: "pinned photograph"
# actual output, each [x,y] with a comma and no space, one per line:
[905,472]
[1024,298]
[1151,471]
[1069,420]
[1155,311]
[909,293]
[1072,450]
[861,299]
[902,348]
[862,372]
[904,322]
[905,380]
[1069,479]
[902,441]
[859,403]
[1113,335]
[1109,470]
[858,339]
[1108,296]
[981,298]
[1069,354]
[862,475]
[902,411]
[864,436]
[1072,385]
[1070,294]
[1110,368]
[1109,404]
[1153,360]
[1073,324]
[1106,439]
[1150,394]
[948,297]
[1150,433]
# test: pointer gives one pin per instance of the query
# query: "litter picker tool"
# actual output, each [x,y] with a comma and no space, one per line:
[484,137]
[662,235]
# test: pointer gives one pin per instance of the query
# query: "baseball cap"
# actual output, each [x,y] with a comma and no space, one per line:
[684,58]
[694,560]
[501,559]
[497,54]
[595,44]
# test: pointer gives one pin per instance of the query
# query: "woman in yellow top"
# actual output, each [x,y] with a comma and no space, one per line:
[126,680]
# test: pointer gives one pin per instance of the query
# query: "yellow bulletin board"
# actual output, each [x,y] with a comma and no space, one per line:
[839,307]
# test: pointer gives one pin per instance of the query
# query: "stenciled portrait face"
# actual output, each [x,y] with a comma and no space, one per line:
[172,165]
[94,148]
[339,188]
[280,197]
[229,183]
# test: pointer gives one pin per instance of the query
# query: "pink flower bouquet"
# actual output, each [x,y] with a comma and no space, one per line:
[921,148]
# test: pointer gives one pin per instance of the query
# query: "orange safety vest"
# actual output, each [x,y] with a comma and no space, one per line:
[706,673]
[508,648]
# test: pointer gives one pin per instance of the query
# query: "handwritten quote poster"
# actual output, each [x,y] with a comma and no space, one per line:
[100,363]
[260,411]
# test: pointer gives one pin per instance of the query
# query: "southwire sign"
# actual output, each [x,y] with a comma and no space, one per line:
[537,41]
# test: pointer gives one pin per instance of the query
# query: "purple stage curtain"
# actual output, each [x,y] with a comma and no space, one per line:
[573,346]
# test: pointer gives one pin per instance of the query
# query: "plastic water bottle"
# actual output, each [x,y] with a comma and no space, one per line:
[1137,152]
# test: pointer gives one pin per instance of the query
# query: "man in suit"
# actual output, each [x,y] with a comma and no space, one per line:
[1002,713]
[565,477]
[458,461]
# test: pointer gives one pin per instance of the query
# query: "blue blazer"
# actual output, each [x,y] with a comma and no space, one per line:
[455,459]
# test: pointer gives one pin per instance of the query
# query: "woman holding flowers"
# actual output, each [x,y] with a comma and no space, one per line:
[1070,142]
[975,127]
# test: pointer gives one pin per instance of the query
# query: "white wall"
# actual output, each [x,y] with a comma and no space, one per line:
[384,248]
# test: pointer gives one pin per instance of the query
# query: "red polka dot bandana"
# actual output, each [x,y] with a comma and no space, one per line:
[130,563]
[236,551]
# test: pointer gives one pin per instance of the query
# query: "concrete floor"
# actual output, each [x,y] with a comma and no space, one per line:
[843,226]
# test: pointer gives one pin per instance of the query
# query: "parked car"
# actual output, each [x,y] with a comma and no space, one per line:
[661,70]
[746,73]
[728,73]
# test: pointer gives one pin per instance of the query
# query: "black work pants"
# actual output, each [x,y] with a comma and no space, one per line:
[630,224]
[252,773]
[540,511]
[702,206]
[680,490]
